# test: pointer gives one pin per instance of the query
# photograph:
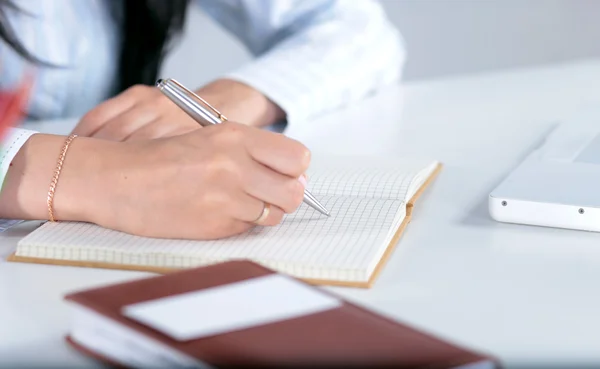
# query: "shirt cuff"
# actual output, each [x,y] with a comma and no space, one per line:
[11,144]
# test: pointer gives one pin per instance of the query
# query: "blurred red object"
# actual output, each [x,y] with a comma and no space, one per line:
[12,106]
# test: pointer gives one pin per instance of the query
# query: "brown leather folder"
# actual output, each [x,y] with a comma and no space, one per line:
[345,336]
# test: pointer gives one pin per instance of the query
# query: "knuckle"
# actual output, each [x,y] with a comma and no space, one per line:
[222,199]
[301,156]
[214,199]
[221,167]
[88,117]
[91,118]
[137,90]
[229,134]
[295,197]
[305,157]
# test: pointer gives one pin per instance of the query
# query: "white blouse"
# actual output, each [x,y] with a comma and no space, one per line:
[311,56]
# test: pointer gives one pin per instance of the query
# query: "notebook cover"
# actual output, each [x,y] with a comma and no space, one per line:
[344,335]
[84,350]
[388,252]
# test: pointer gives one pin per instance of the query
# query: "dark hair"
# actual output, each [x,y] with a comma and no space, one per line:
[148,29]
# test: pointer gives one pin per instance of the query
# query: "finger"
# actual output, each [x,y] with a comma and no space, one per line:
[274,150]
[122,126]
[238,227]
[111,108]
[275,188]
[250,209]
[274,217]
[97,117]
[217,231]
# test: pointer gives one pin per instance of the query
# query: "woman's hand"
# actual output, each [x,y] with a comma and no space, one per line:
[206,184]
[210,183]
[143,112]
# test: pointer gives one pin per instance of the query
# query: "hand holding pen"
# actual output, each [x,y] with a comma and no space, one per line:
[209,183]
[203,113]
[206,183]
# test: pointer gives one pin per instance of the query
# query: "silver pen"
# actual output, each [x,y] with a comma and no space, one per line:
[203,113]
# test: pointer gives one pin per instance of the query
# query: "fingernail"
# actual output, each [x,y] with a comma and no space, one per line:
[302,180]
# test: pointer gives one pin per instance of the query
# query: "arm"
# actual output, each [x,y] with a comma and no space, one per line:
[312,56]
[210,183]
[28,161]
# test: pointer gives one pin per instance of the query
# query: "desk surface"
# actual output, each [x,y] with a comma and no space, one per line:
[525,294]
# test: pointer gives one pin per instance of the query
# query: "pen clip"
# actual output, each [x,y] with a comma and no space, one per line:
[201,100]
[218,113]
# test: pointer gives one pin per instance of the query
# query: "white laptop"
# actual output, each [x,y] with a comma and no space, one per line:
[557,185]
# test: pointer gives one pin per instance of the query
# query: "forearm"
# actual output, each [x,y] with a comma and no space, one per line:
[25,190]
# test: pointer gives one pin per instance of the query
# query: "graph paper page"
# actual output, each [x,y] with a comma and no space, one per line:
[364,177]
[352,239]
[367,207]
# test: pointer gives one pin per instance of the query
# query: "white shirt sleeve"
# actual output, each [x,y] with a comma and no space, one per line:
[11,144]
[313,56]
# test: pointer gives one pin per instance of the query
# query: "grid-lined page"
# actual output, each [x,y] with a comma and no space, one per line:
[394,180]
[306,244]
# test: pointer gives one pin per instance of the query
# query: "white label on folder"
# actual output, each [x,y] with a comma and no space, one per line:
[230,307]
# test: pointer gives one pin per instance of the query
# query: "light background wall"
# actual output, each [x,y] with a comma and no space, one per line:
[444,37]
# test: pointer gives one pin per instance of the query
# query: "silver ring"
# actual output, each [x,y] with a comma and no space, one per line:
[264,214]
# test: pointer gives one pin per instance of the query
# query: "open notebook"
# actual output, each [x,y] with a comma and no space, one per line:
[370,206]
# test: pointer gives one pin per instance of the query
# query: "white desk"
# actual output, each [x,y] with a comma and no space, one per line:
[525,294]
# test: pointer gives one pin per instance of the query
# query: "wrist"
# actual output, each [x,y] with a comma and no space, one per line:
[82,181]
[25,191]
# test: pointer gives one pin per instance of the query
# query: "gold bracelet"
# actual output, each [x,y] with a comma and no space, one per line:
[54,182]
